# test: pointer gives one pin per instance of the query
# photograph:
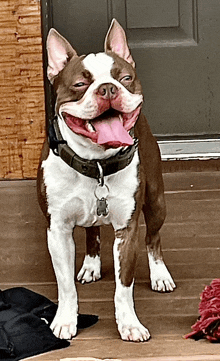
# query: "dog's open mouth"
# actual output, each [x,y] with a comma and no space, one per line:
[110,129]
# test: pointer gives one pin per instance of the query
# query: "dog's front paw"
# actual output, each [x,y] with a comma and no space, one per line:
[91,270]
[64,326]
[137,333]
[129,326]
[161,279]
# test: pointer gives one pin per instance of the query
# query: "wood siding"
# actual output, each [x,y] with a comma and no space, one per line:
[22,113]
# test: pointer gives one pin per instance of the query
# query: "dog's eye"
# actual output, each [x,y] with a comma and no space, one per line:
[79,85]
[126,79]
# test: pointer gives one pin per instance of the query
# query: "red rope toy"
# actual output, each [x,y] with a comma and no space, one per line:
[208,323]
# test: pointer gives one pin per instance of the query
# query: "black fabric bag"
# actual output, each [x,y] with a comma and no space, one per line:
[25,317]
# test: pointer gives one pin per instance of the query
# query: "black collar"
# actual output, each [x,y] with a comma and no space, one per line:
[87,167]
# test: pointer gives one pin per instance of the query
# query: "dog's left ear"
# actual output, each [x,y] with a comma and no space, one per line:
[116,41]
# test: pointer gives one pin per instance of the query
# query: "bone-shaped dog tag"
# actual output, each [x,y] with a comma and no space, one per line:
[102,207]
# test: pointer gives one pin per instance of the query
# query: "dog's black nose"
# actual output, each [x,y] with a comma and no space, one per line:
[108,91]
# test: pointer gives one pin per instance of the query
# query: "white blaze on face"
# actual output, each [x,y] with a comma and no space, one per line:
[99,64]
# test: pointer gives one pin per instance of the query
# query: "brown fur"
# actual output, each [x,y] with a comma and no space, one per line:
[41,188]
[93,241]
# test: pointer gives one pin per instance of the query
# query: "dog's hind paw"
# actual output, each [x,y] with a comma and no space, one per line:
[91,270]
[161,279]
[166,285]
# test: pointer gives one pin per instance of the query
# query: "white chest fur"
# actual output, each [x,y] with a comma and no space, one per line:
[71,195]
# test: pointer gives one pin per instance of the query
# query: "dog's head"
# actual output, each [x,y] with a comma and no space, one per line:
[98,96]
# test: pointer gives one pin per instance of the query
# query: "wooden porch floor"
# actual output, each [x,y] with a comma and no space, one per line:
[191,246]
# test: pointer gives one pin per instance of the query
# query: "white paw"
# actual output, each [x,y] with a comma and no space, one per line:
[129,326]
[136,333]
[91,270]
[161,279]
[64,325]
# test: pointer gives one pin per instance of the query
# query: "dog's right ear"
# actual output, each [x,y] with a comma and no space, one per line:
[59,52]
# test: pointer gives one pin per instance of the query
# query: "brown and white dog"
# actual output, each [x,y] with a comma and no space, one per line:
[100,176]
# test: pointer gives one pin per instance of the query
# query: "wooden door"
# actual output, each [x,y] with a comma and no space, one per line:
[176,46]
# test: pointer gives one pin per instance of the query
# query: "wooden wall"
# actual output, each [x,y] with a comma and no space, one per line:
[22,115]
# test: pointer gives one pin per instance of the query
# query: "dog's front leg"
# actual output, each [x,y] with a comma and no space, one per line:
[125,246]
[62,251]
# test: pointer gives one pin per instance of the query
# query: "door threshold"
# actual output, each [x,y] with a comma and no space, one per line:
[201,149]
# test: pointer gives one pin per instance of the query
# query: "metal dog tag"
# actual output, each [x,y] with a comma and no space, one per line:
[101,193]
[102,207]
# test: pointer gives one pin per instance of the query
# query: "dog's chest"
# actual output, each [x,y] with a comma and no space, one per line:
[73,199]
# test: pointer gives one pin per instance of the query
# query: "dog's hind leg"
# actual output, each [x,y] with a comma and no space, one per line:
[154,212]
[91,268]
[153,205]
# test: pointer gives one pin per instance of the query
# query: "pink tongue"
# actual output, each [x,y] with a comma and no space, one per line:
[112,133]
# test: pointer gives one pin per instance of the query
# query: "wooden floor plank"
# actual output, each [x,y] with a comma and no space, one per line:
[191,180]
[104,290]
[156,347]
[105,309]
